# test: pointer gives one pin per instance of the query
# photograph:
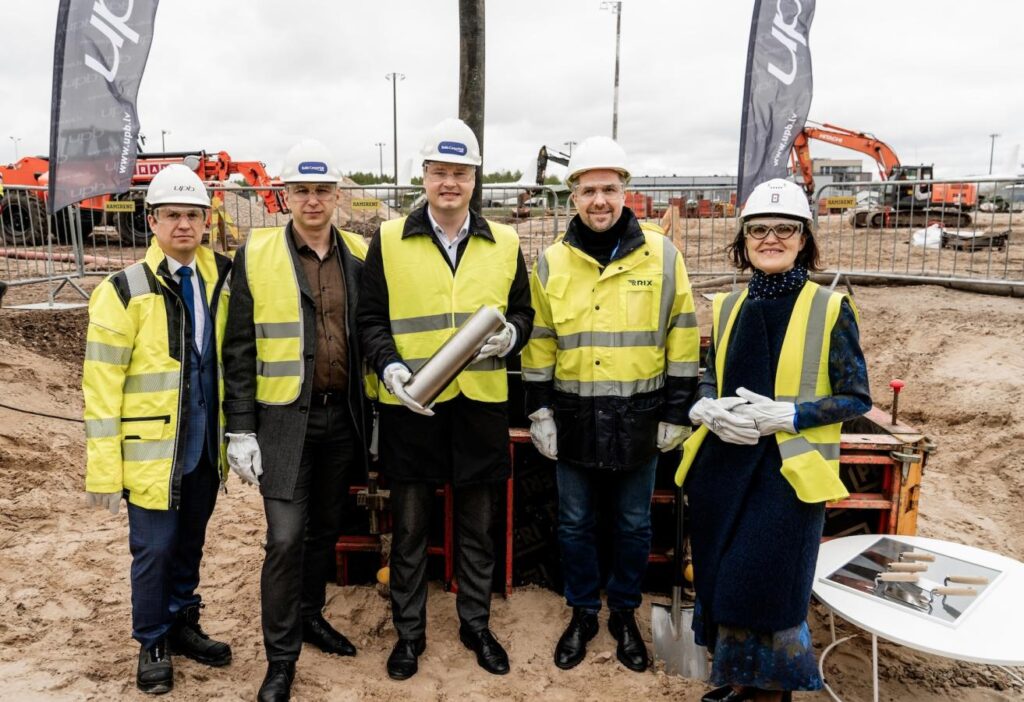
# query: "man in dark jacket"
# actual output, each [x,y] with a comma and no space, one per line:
[294,404]
[609,373]
[424,275]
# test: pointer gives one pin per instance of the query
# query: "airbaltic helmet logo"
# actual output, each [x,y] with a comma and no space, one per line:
[116,30]
[455,148]
[315,167]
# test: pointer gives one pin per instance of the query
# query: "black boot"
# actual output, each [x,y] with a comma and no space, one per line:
[155,674]
[572,646]
[318,632]
[631,650]
[403,661]
[188,639]
[277,683]
[728,693]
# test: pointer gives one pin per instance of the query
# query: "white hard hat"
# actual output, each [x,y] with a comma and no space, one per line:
[177,184]
[597,153]
[777,197]
[452,141]
[310,161]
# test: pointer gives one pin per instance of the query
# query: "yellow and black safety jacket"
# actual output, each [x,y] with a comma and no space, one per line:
[810,457]
[135,377]
[615,348]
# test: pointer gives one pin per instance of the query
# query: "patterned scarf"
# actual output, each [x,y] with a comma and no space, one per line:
[763,286]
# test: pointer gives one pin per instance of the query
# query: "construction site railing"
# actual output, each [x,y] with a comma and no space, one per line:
[940,235]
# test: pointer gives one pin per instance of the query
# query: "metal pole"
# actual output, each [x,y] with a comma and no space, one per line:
[163,141]
[570,144]
[380,152]
[615,108]
[991,152]
[15,140]
[394,78]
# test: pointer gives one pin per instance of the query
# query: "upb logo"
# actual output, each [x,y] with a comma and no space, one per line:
[452,147]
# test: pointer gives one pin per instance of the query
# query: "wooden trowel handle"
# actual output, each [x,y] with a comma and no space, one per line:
[908,567]
[962,591]
[917,556]
[968,579]
[898,577]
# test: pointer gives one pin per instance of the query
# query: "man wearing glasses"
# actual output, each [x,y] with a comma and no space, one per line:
[152,423]
[609,371]
[425,274]
[293,402]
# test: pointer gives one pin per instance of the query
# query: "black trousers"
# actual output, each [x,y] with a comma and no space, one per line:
[301,532]
[411,503]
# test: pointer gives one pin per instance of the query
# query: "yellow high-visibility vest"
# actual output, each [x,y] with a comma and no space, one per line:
[427,303]
[810,458]
[277,312]
[619,331]
[132,384]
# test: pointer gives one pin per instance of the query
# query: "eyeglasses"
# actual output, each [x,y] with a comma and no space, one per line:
[781,230]
[194,217]
[459,175]
[301,193]
[589,192]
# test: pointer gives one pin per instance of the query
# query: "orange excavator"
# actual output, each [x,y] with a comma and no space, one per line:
[23,218]
[907,205]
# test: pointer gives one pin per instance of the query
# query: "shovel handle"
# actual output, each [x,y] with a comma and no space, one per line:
[961,591]
[678,580]
[917,556]
[898,577]
[897,567]
[967,579]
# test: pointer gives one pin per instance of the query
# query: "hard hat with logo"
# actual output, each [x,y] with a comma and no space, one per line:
[177,184]
[452,141]
[777,197]
[594,154]
[310,161]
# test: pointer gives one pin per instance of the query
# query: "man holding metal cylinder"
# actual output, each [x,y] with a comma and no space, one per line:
[610,372]
[426,274]
[294,403]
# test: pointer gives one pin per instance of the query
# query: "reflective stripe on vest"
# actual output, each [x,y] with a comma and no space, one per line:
[277,316]
[427,303]
[810,458]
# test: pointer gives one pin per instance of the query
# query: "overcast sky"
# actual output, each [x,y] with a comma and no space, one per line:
[933,78]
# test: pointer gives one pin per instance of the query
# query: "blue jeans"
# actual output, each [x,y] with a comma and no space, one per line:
[166,547]
[578,493]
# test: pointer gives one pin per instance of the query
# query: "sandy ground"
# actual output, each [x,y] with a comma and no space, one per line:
[64,589]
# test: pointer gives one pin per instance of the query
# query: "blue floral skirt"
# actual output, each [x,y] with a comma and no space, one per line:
[774,660]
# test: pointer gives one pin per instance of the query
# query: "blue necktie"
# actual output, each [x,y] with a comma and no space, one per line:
[188,296]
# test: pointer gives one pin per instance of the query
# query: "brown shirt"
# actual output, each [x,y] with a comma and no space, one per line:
[327,283]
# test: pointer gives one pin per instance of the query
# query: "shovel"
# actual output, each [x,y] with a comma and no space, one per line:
[671,625]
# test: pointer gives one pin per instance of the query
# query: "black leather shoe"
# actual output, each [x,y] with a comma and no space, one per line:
[489,653]
[631,650]
[322,635]
[277,683]
[402,663]
[155,675]
[188,639]
[572,646]
[727,693]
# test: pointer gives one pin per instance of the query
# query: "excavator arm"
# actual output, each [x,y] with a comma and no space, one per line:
[883,155]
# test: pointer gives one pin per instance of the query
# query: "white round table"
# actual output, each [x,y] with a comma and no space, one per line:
[992,631]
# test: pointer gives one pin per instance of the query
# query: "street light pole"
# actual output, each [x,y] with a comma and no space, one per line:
[570,144]
[163,141]
[15,140]
[992,151]
[616,9]
[394,78]
[380,152]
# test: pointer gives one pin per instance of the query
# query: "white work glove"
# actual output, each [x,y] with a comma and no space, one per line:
[717,416]
[768,415]
[395,377]
[108,500]
[544,433]
[498,344]
[670,436]
[244,457]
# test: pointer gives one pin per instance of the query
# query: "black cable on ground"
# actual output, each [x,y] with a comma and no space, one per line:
[42,414]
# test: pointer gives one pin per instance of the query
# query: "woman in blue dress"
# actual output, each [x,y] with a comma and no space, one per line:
[784,370]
